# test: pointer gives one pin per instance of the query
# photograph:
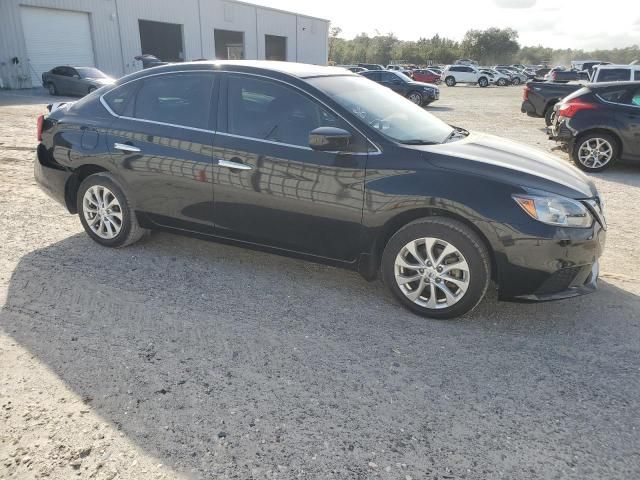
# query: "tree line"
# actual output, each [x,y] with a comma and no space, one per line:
[488,47]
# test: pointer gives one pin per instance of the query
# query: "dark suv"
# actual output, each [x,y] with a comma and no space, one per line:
[321,163]
[418,92]
[600,124]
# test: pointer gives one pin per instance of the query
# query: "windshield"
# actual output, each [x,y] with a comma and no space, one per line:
[391,114]
[88,72]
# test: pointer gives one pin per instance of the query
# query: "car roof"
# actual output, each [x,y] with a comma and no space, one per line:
[299,70]
[616,66]
[630,83]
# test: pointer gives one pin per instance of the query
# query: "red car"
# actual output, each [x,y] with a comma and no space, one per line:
[426,76]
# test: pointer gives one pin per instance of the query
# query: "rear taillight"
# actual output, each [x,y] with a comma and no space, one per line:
[525,93]
[570,108]
[40,122]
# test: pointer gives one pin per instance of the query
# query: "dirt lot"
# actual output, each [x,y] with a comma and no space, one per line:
[178,358]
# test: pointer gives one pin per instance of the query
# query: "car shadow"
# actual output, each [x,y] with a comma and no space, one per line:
[176,339]
[434,108]
[625,173]
[31,96]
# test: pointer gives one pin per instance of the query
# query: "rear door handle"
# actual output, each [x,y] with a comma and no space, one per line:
[123,147]
[233,165]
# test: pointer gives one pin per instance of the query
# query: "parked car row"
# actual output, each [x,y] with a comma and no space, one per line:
[500,75]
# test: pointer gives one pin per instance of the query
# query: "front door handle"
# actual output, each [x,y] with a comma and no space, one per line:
[233,165]
[123,147]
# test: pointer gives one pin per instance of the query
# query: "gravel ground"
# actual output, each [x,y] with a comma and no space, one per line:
[179,358]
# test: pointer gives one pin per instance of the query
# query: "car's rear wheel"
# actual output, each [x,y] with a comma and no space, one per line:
[52,88]
[450,81]
[502,82]
[437,267]
[516,80]
[595,151]
[483,82]
[415,97]
[549,116]
[106,213]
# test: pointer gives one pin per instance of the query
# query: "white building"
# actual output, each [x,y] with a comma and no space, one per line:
[37,35]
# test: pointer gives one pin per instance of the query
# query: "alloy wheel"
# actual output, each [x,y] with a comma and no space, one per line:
[595,153]
[432,273]
[415,98]
[102,211]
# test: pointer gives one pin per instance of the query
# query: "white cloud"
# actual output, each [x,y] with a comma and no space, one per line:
[515,3]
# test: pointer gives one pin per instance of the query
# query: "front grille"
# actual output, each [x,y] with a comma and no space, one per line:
[559,281]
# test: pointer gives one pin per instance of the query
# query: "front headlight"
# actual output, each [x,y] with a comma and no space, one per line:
[555,210]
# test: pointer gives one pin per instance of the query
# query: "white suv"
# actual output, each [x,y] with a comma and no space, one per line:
[615,73]
[464,74]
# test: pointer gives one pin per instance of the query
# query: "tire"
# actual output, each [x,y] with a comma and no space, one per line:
[549,115]
[595,142]
[516,80]
[450,81]
[502,82]
[415,97]
[125,231]
[52,89]
[483,82]
[469,250]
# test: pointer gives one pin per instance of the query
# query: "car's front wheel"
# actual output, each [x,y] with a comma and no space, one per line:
[437,267]
[106,213]
[415,97]
[516,80]
[52,89]
[595,151]
[450,81]
[502,82]
[483,82]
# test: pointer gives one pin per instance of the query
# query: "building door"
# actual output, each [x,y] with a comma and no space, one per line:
[164,40]
[55,37]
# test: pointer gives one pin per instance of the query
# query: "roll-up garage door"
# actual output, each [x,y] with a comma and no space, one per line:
[56,37]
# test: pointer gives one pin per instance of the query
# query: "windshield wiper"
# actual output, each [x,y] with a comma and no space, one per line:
[418,142]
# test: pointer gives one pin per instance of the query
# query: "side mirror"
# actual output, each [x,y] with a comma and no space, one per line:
[329,139]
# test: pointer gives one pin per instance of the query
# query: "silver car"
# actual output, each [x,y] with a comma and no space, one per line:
[67,80]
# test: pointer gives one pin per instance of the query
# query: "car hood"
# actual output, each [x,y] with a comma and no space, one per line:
[101,81]
[423,84]
[512,162]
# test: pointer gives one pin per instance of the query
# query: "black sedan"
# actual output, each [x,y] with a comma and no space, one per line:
[418,92]
[321,163]
[600,124]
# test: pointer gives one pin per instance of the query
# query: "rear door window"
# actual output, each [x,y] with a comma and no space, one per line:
[373,75]
[636,75]
[180,99]
[119,99]
[615,95]
[614,75]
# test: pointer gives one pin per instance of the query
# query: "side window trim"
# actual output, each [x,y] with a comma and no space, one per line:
[214,100]
[224,123]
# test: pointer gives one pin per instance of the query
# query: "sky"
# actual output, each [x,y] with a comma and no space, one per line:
[586,24]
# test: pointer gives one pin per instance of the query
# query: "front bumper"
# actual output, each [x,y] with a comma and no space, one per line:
[539,262]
